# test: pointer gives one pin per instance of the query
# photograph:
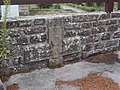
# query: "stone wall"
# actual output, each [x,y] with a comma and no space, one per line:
[42,41]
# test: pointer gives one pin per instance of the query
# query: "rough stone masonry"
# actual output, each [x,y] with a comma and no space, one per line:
[42,41]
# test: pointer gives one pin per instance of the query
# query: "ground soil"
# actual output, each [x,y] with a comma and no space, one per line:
[13,87]
[108,58]
[5,78]
[92,82]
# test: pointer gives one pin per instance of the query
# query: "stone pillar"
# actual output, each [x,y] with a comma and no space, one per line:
[55,40]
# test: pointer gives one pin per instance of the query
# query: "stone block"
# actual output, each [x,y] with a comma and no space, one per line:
[38,38]
[37,53]
[101,29]
[28,31]
[38,29]
[107,49]
[116,35]
[78,18]
[86,25]
[34,30]
[28,67]
[99,46]
[12,24]
[91,17]
[34,54]
[84,55]
[45,53]
[118,21]
[74,47]
[94,30]
[18,60]
[112,21]
[85,40]
[87,47]
[105,36]
[70,48]
[116,48]
[43,38]
[72,57]
[94,38]
[112,43]
[67,19]
[112,28]
[39,22]
[69,34]
[26,56]
[99,23]
[76,26]
[84,32]
[104,16]
[14,33]
[68,27]
[115,15]
[39,64]
[25,23]
[12,50]
[22,40]
[34,39]
[97,30]
[13,41]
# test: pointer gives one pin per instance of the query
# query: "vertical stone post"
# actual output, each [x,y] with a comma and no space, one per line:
[55,40]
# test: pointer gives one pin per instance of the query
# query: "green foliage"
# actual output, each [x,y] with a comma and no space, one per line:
[100,4]
[49,6]
[3,32]
[56,6]
[89,4]
[118,5]
[41,6]
[87,7]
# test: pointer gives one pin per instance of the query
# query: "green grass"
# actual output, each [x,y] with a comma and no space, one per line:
[86,8]
[93,8]
[33,6]
[35,10]
[48,11]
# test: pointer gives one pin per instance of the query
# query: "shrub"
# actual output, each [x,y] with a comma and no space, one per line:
[41,6]
[56,6]
[3,32]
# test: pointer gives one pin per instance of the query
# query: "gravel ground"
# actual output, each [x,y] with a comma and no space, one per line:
[45,79]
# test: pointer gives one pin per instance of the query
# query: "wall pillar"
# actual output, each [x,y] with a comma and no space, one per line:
[55,40]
